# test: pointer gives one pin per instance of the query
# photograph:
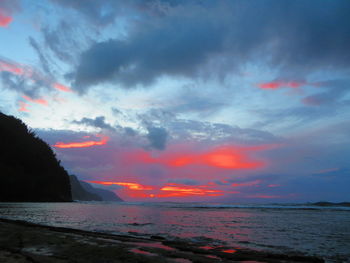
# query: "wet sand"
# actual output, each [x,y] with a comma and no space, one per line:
[26,242]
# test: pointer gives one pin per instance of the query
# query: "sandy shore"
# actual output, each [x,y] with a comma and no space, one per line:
[26,242]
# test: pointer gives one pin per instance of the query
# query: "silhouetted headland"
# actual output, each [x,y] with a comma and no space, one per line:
[29,169]
[323,203]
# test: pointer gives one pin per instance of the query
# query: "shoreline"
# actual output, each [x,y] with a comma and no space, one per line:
[22,241]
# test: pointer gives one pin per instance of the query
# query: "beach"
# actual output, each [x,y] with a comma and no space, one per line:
[22,241]
[173,232]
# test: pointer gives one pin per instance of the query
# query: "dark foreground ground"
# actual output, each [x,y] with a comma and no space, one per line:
[25,242]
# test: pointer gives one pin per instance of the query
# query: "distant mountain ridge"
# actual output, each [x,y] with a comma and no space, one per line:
[29,170]
[324,203]
[82,191]
[79,193]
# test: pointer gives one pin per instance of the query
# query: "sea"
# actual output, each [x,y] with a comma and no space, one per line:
[322,231]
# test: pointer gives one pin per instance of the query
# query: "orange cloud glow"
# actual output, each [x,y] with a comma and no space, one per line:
[184,190]
[137,190]
[103,141]
[229,251]
[133,190]
[23,106]
[224,157]
[61,87]
[280,84]
[252,183]
[38,101]
[184,162]
[230,157]
[131,186]
[5,19]
[8,67]
[29,73]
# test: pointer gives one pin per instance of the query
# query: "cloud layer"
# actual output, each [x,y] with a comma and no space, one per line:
[186,100]
[296,37]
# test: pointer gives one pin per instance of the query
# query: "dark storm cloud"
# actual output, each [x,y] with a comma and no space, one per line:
[175,48]
[157,137]
[98,122]
[297,36]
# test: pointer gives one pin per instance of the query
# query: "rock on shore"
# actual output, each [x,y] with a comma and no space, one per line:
[26,242]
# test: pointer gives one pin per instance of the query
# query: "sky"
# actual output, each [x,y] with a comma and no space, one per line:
[186,100]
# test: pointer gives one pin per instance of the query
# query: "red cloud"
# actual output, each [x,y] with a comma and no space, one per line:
[169,190]
[23,106]
[61,87]
[38,101]
[131,186]
[103,141]
[224,157]
[280,84]
[29,73]
[8,67]
[5,19]
[133,171]
[185,190]
[252,183]
[133,190]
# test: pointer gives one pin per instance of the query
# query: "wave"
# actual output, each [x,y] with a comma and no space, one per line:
[256,206]
[320,206]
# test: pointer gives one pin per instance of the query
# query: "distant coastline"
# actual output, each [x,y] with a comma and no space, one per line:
[324,203]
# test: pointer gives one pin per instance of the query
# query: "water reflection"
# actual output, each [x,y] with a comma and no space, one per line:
[280,230]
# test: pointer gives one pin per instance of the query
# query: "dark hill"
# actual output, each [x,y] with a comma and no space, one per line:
[323,203]
[79,193]
[83,191]
[29,170]
[105,195]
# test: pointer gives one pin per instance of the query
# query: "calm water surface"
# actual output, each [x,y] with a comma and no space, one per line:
[319,231]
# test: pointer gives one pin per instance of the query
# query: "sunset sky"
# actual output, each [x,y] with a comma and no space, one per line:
[186,100]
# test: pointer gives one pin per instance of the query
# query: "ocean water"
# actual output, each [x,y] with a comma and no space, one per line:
[311,230]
